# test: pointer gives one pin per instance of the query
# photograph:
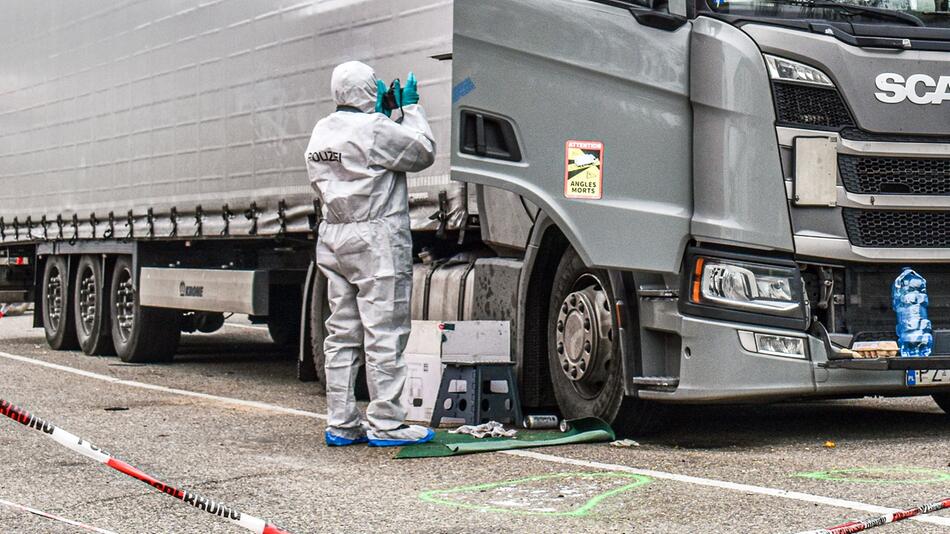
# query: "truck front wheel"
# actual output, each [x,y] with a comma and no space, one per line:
[92,316]
[57,305]
[140,334]
[584,349]
[943,400]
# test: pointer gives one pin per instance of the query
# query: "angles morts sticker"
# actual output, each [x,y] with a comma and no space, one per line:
[583,169]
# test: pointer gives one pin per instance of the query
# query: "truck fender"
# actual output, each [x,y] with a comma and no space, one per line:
[546,241]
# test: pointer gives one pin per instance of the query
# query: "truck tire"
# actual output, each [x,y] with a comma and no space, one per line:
[89,309]
[943,400]
[140,334]
[57,308]
[317,307]
[584,351]
[319,313]
[209,322]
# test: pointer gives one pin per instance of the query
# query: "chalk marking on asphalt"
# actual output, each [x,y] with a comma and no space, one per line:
[55,517]
[163,389]
[760,490]
[722,484]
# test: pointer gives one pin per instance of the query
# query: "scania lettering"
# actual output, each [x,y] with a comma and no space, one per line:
[691,202]
[896,89]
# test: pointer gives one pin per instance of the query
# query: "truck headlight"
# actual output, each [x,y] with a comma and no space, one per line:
[786,70]
[746,286]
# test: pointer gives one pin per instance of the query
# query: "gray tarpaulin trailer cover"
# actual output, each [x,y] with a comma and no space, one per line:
[193,118]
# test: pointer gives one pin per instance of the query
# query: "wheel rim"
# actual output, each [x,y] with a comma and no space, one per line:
[124,304]
[585,333]
[88,300]
[54,298]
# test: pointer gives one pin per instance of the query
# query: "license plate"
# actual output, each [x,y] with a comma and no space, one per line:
[934,377]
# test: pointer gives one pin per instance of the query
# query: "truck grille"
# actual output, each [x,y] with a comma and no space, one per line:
[856,134]
[804,106]
[876,175]
[897,229]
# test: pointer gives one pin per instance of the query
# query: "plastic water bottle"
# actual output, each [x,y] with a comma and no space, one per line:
[909,299]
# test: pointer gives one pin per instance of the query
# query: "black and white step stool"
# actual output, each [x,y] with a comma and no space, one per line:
[477,393]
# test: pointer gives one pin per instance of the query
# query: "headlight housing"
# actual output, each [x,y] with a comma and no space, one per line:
[786,70]
[747,289]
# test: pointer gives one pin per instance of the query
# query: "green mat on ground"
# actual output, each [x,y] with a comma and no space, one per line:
[586,430]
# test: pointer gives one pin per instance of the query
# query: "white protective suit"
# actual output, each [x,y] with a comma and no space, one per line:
[357,160]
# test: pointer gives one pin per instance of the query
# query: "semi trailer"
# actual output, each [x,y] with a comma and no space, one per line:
[671,201]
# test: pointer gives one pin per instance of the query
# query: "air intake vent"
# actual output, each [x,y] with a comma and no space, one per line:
[903,176]
[856,134]
[804,106]
[897,229]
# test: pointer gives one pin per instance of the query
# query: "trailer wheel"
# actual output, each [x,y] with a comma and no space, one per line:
[584,351]
[57,306]
[943,400]
[89,311]
[140,334]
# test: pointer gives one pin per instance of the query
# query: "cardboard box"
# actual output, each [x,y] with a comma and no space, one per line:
[476,342]
[423,357]
[422,386]
[876,349]
[425,338]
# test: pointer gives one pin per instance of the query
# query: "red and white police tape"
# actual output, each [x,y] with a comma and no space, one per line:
[83,447]
[55,517]
[893,517]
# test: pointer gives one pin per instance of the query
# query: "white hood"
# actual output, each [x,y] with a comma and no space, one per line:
[354,84]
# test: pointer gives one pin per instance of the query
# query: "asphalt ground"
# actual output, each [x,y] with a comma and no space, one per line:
[714,469]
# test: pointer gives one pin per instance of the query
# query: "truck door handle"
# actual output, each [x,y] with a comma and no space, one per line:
[480,148]
[488,136]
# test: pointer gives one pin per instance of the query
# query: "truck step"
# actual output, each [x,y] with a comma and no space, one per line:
[941,361]
[657,381]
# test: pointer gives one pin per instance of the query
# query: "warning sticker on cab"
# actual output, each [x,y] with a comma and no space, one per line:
[583,169]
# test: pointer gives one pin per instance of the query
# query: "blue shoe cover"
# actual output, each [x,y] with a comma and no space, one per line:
[339,441]
[379,442]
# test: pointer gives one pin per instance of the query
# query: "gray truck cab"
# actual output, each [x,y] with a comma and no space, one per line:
[711,200]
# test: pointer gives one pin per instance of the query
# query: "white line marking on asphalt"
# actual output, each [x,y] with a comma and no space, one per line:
[747,488]
[247,326]
[153,387]
[48,515]
[722,484]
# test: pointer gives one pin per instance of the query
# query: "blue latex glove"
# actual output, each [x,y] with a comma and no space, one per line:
[410,94]
[380,92]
